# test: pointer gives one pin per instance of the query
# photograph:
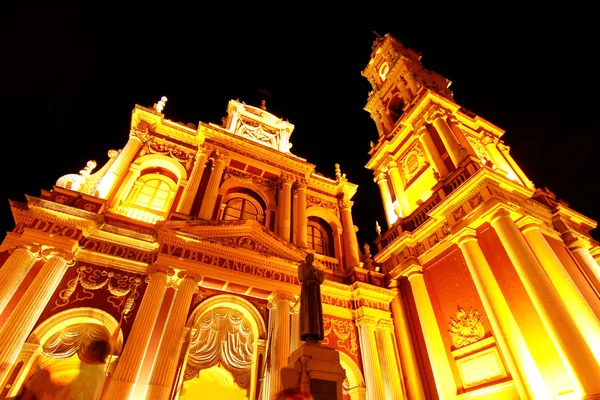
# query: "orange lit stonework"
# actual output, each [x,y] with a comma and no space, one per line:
[497,281]
[183,251]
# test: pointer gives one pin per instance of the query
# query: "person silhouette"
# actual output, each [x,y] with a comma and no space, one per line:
[88,384]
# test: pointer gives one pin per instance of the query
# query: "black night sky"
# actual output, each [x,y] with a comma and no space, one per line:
[70,78]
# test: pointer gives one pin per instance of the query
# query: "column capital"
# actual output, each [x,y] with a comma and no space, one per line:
[300,184]
[33,249]
[502,212]
[380,177]
[280,296]
[139,134]
[286,179]
[365,321]
[421,131]
[488,139]
[345,204]
[49,252]
[385,324]
[465,235]
[392,164]
[411,268]
[176,280]
[528,223]
[155,269]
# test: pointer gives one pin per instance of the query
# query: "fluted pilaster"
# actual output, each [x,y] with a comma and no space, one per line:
[21,321]
[349,235]
[577,357]
[130,362]
[165,365]
[438,357]
[14,270]
[510,340]
[280,350]
[386,198]
[414,385]
[432,153]
[212,188]
[398,186]
[370,359]
[120,166]
[392,380]
[300,215]
[191,189]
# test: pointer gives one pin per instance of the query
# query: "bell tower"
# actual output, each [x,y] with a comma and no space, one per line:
[468,230]
[424,136]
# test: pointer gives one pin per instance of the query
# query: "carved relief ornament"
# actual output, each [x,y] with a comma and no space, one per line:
[466,328]
[186,158]
[413,162]
[122,288]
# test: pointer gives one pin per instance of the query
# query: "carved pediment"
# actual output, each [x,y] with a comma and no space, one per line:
[246,235]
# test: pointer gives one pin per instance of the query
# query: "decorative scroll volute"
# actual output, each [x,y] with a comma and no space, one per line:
[467,328]
[49,252]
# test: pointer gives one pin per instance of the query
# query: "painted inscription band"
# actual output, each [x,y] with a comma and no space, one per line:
[112,249]
[54,229]
[187,254]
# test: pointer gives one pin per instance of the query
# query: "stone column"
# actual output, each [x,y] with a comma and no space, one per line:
[414,385]
[399,188]
[448,138]
[386,198]
[300,215]
[504,150]
[295,341]
[433,155]
[436,349]
[392,380]
[460,137]
[521,365]
[490,145]
[284,206]
[370,358]
[212,188]
[349,235]
[165,365]
[280,349]
[570,345]
[130,362]
[21,321]
[587,262]
[580,311]
[121,164]
[191,189]
[14,270]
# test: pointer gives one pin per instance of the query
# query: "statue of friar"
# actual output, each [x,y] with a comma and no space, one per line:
[311,309]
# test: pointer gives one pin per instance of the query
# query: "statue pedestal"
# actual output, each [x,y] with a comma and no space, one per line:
[320,370]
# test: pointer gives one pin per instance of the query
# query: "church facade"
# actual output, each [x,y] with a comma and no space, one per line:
[182,252]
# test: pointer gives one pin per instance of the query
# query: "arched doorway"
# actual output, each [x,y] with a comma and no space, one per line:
[61,346]
[223,348]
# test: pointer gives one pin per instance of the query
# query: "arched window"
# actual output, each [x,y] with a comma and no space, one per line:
[153,194]
[242,206]
[150,197]
[383,71]
[395,108]
[319,237]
